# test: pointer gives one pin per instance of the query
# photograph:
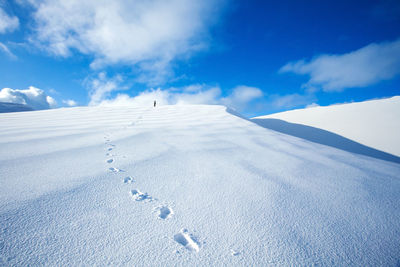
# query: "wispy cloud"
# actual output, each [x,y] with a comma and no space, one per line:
[70,102]
[290,101]
[32,97]
[147,35]
[101,86]
[7,51]
[7,23]
[312,105]
[360,68]
[166,97]
[239,99]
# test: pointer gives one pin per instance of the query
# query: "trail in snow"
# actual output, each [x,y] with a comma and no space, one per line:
[128,180]
[223,191]
[187,240]
[164,212]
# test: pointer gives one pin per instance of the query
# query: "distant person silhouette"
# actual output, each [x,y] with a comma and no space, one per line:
[154,103]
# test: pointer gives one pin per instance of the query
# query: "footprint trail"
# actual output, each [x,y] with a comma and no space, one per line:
[112,169]
[139,196]
[187,240]
[165,212]
[128,180]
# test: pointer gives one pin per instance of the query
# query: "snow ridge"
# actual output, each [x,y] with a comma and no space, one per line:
[374,124]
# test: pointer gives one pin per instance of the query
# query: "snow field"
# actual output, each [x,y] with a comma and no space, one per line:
[186,185]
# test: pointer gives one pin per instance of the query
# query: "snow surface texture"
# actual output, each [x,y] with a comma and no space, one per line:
[374,124]
[190,186]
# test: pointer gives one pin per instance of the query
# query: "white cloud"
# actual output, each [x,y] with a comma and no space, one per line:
[32,97]
[70,103]
[194,94]
[7,23]
[146,34]
[50,101]
[312,105]
[5,50]
[207,95]
[241,97]
[359,68]
[145,98]
[101,87]
[290,100]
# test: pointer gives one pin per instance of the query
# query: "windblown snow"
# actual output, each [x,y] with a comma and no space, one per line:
[186,185]
[374,123]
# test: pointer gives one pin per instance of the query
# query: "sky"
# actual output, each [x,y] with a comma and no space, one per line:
[257,57]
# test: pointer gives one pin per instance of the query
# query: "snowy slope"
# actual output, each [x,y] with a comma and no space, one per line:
[186,185]
[374,123]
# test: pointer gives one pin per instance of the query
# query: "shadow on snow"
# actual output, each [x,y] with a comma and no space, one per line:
[323,137]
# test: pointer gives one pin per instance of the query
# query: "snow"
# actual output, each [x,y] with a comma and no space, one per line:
[373,123]
[186,185]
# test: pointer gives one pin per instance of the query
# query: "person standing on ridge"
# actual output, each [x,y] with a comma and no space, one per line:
[154,103]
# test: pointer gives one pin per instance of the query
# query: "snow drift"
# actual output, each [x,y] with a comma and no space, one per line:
[186,185]
[375,124]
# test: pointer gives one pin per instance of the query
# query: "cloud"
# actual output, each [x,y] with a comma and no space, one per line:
[32,97]
[206,95]
[5,50]
[7,23]
[240,98]
[101,87]
[70,103]
[144,99]
[360,68]
[146,34]
[312,105]
[290,100]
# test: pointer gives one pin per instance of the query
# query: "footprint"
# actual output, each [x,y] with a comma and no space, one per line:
[234,252]
[110,147]
[165,212]
[110,161]
[187,240]
[139,196]
[128,180]
[115,169]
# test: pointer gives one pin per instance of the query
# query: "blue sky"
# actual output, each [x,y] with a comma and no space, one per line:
[258,57]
